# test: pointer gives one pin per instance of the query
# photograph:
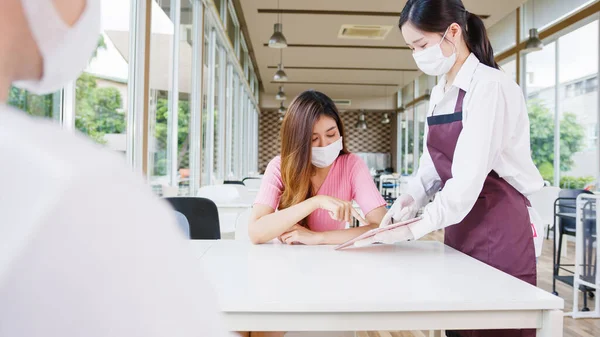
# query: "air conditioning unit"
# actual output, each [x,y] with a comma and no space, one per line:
[342,102]
[364,32]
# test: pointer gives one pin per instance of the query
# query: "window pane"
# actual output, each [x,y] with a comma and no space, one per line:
[205,90]
[160,96]
[40,106]
[231,29]
[101,91]
[421,109]
[540,79]
[578,107]
[409,132]
[185,86]
[219,112]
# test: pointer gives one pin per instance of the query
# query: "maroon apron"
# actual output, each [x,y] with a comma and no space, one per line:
[497,230]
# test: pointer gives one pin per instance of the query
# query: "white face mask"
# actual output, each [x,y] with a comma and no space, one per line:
[326,155]
[432,60]
[65,50]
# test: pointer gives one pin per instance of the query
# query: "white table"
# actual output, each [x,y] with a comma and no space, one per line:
[412,286]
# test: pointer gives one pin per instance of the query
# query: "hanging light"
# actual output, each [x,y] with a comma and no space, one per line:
[361,124]
[534,43]
[401,109]
[280,95]
[277,40]
[280,75]
[386,119]
[281,109]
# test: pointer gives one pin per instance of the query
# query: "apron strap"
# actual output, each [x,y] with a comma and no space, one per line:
[459,101]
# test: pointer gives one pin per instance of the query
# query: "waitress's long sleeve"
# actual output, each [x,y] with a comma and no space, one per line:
[477,149]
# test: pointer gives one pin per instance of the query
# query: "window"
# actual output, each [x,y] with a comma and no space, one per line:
[41,106]
[409,137]
[208,67]
[233,30]
[578,108]
[101,91]
[421,114]
[540,95]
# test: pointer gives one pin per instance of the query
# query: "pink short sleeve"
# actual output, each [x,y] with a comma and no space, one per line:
[364,191]
[271,186]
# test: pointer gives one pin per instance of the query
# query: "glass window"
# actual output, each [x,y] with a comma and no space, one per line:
[229,123]
[235,128]
[543,13]
[232,30]
[219,5]
[160,96]
[206,74]
[421,111]
[540,78]
[41,106]
[578,106]
[409,132]
[219,113]
[101,91]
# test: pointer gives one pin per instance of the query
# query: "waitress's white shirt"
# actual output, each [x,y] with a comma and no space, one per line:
[86,249]
[495,136]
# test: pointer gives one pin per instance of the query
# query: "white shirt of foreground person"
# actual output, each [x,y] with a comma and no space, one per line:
[495,136]
[86,249]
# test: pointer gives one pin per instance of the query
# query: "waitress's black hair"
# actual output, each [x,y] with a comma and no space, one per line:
[435,16]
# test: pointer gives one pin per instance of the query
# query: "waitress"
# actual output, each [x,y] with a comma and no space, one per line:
[477,163]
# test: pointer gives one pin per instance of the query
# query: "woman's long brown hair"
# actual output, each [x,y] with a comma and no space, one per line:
[296,144]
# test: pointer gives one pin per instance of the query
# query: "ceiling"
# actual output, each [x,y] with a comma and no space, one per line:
[394,62]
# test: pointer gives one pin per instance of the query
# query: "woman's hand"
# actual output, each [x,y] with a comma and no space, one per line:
[298,234]
[339,210]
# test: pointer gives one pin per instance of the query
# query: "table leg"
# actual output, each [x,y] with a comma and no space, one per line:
[552,324]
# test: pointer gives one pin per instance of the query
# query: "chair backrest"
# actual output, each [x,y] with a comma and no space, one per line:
[568,206]
[183,223]
[202,216]
[232,182]
[543,202]
[252,182]
[225,193]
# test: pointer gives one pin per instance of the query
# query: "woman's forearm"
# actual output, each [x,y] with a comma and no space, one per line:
[340,236]
[273,225]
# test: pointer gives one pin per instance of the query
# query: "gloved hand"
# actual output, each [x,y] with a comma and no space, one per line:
[399,234]
[404,208]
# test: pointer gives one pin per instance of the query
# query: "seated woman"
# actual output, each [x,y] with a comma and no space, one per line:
[313,182]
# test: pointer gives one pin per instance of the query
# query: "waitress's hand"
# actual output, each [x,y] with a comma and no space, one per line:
[399,234]
[404,208]
[301,235]
[339,210]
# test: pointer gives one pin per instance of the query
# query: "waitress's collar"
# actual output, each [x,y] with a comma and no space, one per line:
[465,74]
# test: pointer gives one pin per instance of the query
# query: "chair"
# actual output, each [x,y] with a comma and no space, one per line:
[565,221]
[252,182]
[202,216]
[183,223]
[232,182]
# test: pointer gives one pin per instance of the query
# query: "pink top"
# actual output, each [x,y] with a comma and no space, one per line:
[348,179]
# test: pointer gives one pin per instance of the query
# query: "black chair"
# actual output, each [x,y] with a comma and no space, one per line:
[565,217]
[202,215]
[233,182]
[250,178]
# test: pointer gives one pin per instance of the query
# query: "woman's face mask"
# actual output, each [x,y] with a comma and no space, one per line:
[326,155]
[431,60]
[65,50]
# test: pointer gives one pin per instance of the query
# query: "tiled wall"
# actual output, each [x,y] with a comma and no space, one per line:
[376,138]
